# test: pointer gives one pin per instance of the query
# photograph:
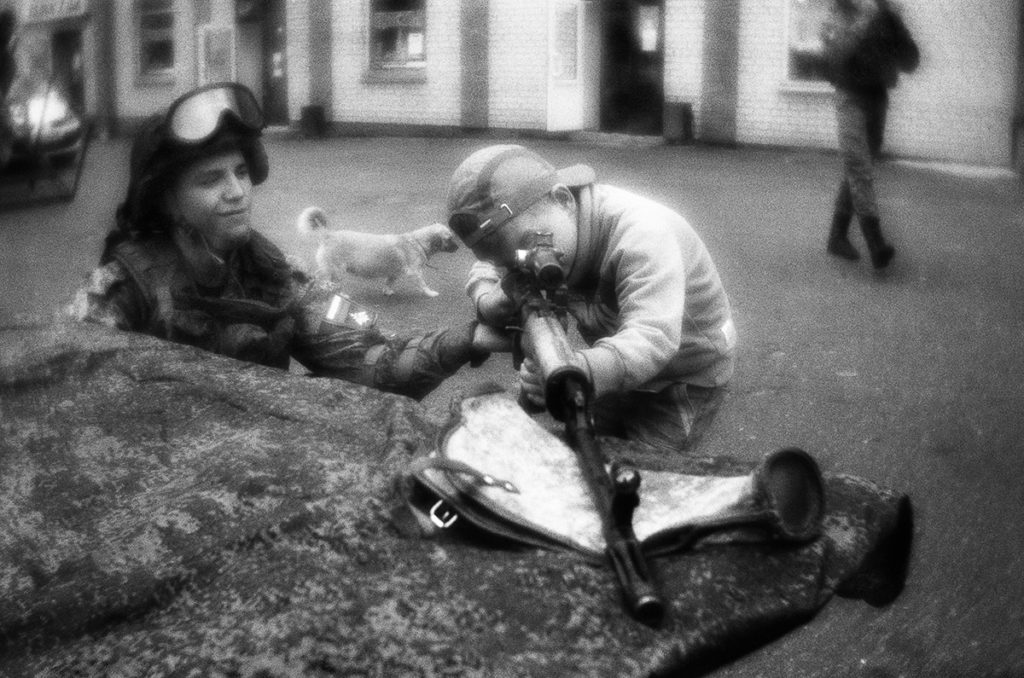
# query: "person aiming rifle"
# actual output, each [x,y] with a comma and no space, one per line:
[647,300]
[640,284]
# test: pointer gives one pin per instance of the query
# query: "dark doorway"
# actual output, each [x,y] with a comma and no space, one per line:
[68,67]
[275,65]
[632,90]
[1017,140]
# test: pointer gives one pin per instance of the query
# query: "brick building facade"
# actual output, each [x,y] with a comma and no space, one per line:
[724,71]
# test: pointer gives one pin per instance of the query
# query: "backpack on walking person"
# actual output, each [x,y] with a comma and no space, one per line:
[867,44]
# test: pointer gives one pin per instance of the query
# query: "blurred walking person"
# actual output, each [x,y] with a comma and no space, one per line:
[867,46]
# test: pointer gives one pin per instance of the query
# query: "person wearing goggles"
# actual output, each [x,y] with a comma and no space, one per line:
[645,294]
[184,262]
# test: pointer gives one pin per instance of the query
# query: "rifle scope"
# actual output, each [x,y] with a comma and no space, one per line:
[541,260]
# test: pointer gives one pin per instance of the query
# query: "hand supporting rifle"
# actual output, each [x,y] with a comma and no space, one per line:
[568,392]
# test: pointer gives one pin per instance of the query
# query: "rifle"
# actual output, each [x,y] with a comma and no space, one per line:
[542,296]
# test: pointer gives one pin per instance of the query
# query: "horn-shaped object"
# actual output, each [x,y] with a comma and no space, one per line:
[783,498]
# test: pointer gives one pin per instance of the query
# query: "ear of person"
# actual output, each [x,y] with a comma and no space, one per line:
[564,197]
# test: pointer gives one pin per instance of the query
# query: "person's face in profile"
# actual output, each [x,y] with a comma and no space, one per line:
[214,197]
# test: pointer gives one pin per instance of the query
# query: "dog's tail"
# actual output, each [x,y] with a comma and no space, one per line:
[311,220]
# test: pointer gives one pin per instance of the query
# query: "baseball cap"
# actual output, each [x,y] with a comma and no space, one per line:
[497,183]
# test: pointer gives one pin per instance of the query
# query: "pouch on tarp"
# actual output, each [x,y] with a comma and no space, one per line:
[501,471]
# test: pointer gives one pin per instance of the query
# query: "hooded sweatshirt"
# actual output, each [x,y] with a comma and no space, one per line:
[646,296]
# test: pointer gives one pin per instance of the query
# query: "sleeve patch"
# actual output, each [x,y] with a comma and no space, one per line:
[105,277]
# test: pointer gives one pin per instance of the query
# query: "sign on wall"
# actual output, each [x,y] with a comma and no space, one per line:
[48,10]
[217,54]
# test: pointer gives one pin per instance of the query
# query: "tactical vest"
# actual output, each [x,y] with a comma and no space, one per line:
[251,319]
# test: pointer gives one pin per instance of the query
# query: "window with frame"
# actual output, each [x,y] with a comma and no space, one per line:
[397,34]
[155,25]
[648,28]
[806,18]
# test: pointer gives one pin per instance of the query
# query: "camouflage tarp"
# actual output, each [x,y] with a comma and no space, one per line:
[165,511]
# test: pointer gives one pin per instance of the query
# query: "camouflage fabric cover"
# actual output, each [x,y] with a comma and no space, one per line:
[167,511]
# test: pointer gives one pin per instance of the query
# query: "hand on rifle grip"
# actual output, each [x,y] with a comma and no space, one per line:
[531,384]
[493,306]
[517,288]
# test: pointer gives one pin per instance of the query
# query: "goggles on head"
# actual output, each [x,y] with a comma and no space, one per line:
[471,226]
[198,115]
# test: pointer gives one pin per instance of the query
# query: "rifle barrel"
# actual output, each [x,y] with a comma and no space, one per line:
[615,505]
[567,395]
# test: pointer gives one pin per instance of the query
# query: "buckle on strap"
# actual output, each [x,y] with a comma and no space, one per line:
[441,515]
[494,219]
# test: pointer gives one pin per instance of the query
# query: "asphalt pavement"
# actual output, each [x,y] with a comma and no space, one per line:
[911,378]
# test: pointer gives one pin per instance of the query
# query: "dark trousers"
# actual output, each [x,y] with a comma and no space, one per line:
[860,120]
[672,419]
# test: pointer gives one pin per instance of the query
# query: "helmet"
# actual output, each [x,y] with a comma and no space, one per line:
[200,123]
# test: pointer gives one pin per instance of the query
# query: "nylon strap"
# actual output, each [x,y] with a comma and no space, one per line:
[521,199]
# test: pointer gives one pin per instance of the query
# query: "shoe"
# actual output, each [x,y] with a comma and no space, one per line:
[838,242]
[881,251]
[841,247]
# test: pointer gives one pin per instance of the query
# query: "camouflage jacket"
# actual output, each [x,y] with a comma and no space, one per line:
[267,312]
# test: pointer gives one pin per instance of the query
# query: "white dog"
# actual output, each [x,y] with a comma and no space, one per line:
[372,255]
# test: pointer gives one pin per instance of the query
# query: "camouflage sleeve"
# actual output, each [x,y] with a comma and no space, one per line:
[349,346]
[109,297]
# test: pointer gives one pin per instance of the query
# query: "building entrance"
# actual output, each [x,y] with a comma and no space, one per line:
[262,62]
[632,73]
[275,65]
